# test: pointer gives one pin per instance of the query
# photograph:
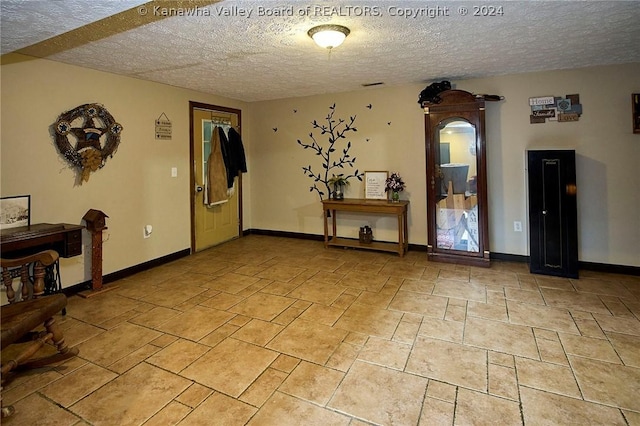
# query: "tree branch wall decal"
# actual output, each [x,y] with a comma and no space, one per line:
[332,160]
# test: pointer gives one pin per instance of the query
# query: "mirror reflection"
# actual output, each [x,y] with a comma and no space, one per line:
[456,170]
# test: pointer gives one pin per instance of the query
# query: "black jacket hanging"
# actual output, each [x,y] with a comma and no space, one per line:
[238,161]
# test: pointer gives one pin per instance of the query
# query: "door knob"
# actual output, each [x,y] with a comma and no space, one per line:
[199,188]
[544,212]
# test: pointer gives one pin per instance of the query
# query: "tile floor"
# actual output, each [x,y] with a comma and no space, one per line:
[274,331]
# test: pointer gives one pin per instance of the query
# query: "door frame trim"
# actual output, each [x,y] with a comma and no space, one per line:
[192,177]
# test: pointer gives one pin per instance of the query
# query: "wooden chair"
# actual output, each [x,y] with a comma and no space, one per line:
[21,317]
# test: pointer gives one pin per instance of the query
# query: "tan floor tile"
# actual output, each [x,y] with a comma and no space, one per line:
[460,290]
[317,292]
[501,337]
[503,279]
[532,297]
[608,288]
[285,410]
[132,398]
[385,353]
[504,360]
[322,314]
[280,288]
[605,383]
[312,383]
[450,274]
[633,417]
[171,414]
[590,328]
[230,367]
[442,391]
[35,410]
[474,408]
[627,347]
[418,286]
[487,311]
[173,295]
[163,341]
[549,318]
[449,362]
[285,363]
[262,306]
[177,356]
[110,306]
[589,347]
[221,409]
[379,299]
[398,269]
[235,282]
[79,332]
[195,323]
[287,316]
[397,398]
[618,325]
[554,283]
[328,277]
[544,408]
[258,332]
[419,303]
[280,273]
[343,357]
[503,382]
[78,384]
[194,395]
[369,320]
[552,351]
[222,301]
[547,377]
[406,332]
[308,340]
[155,317]
[110,346]
[219,334]
[616,306]
[436,412]
[451,331]
[574,300]
[456,313]
[364,280]
[263,387]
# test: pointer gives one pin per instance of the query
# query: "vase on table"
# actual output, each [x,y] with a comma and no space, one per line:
[395,196]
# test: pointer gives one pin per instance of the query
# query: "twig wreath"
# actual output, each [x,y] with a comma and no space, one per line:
[89,154]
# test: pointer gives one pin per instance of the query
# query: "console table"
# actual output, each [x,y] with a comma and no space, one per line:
[357,205]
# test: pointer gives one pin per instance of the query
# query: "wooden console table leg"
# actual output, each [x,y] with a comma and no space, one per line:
[400,236]
[406,232]
[326,229]
[334,220]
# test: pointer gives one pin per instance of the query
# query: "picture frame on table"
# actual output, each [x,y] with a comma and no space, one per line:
[374,185]
[15,211]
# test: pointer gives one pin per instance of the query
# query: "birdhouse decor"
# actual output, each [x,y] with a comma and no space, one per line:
[86,136]
[95,220]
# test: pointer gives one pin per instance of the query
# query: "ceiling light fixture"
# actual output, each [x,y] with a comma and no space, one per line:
[329,35]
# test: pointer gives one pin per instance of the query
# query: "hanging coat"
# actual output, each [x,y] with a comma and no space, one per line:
[216,184]
[238,161]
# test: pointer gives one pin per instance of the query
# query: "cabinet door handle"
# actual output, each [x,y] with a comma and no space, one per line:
[544,212]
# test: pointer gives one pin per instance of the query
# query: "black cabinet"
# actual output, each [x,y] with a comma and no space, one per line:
[553,221]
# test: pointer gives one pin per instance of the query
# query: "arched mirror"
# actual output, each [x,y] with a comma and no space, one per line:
[456,179]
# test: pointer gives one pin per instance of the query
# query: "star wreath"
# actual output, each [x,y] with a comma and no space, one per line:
[89,154]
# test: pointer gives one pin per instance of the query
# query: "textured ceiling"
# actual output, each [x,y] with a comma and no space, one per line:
[255,57]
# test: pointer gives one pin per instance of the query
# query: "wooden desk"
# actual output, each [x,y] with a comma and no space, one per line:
[358,205]
[64,238]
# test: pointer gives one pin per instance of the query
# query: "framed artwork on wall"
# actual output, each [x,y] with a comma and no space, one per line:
[15,211]
[374,185]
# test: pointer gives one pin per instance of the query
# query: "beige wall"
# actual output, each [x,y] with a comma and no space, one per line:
[607,157]
[134,188]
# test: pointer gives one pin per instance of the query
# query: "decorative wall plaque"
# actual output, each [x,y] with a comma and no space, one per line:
[86,136]
[555,108]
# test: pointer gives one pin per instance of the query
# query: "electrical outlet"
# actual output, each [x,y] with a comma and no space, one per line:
[174,172]
[517,226]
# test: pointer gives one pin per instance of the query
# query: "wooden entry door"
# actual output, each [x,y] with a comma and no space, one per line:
[211,225]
